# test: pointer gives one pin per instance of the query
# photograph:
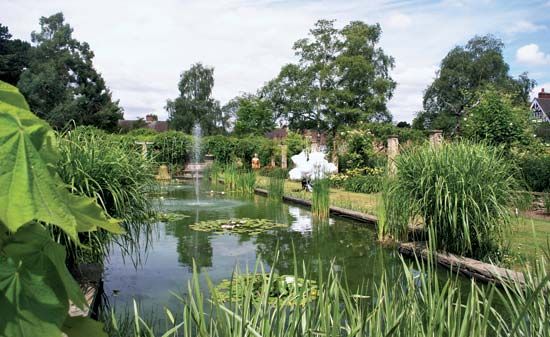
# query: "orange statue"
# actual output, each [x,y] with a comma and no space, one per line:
[255,162]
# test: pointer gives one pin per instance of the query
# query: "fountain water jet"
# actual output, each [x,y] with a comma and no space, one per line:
[197,134]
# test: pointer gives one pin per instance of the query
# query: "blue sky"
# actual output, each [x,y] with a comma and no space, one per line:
[141,47]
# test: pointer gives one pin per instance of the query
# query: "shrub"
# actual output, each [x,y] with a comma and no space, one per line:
[462,191]
[360,180]
[320,198]
[535,171]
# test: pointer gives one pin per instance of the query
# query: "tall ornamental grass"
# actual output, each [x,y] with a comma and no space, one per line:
[118,176]
[413,303]
[320,198]
[276,186]
[245,181]
[461,191]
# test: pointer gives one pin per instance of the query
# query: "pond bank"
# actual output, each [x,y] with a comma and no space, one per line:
[475,269]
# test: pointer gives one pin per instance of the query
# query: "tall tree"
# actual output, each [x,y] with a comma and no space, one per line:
[253,116]
[14,56]
[195,103]
[61,83]
[464,71]
[342,77]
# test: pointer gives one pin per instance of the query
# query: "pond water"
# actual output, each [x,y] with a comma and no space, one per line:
[167,264]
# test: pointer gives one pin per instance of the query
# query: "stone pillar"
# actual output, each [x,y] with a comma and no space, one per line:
[273,161]
[436,137]
[393,151]
[284,150]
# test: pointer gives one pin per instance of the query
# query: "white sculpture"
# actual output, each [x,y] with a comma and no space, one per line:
[314,167]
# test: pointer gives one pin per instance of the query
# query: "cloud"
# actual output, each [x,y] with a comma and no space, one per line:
[142,47]
[532,55]
[399,21]
[524,26]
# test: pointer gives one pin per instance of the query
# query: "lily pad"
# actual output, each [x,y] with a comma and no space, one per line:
[171,217]
[282,289]
[244,225]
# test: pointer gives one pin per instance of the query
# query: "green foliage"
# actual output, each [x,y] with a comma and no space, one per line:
[245,182]
[171,147]
[462,191]
[360,180]
[464,71]
[254,116]
[535,169]
[223,148]
[195,104]
[341,78]
[276,187]
[295,143]
[495,120]
[61,84]
[320,198]
[35,285]
[542,132]
[14,56]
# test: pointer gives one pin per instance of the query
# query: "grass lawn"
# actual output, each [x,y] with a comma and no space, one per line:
[528,237]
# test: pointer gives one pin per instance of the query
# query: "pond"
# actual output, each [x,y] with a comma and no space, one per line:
[167,264]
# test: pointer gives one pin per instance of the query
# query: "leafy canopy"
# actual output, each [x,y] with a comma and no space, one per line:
[61,83]
[195,104]
[342,77]
[463,72]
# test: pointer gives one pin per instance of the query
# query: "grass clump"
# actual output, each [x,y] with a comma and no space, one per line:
[320,198]
[462,191]
[98,165]
[276,185]
[245,181]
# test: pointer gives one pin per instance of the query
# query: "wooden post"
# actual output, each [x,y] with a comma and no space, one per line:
[436,137]
[393,151]
[284,150]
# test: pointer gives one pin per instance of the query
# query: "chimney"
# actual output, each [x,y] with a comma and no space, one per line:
[151,118]
[545,95]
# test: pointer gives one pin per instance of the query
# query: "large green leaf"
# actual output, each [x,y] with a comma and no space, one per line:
[35,285]
[10,95]
[83,327]
[31,190]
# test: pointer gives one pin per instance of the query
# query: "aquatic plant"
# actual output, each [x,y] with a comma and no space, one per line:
[417,304]
[99,166]
[320,198]
[230,176]
[171,216]
[283,289]
[245,181]
[462,190]
[242,226]
[276,186]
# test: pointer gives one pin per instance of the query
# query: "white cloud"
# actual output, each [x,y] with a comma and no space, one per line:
[524,26]
[399,21]
[532,55]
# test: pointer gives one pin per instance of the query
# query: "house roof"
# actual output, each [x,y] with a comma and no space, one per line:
[544,103]
[158,126]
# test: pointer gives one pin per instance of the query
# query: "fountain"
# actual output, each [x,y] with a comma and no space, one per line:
[197,133]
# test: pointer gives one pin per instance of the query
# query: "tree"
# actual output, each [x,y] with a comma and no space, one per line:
[464,71]
[61,84]
[496,120]
[195,104]
[14,56]
[254,116]
[403,125]
[341,78]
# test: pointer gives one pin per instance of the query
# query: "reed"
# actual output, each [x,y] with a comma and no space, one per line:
[230,176]
[245,181]
[413,305]
[320,198]
[98,165]
[463,191]
[276,186]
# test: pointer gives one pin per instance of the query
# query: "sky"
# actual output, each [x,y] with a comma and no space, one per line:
[142,47]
